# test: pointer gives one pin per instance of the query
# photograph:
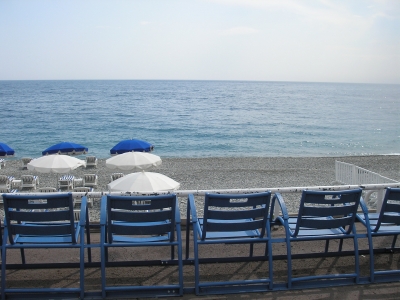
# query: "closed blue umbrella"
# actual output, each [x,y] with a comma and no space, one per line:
[65,148]
[6,150]
[132,145]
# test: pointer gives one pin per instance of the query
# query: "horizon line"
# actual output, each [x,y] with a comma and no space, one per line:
[215,80]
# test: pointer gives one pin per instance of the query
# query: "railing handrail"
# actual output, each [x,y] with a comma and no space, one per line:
[370,188]
[182,193]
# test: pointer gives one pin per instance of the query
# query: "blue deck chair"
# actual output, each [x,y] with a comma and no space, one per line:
[231,219]
[323,215]
[45,221]
[384,223]
[148,221]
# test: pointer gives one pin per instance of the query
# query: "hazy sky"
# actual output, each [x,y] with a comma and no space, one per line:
[276,40]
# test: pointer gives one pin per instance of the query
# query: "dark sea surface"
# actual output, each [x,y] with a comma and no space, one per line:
[203,118]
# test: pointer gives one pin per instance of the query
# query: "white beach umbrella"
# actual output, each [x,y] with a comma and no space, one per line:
[55,163]
[133,161]
[143,181]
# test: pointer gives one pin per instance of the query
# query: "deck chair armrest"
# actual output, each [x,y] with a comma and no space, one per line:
[4,236]
[192,209]
[278,198]
[364,209]
[84,208]
[177,214]
[103,211]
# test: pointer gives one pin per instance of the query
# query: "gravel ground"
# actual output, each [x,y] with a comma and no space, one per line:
[233,173]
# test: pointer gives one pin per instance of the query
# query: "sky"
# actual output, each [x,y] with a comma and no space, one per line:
[354,41]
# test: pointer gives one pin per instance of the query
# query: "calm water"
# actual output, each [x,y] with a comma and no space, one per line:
[203,118]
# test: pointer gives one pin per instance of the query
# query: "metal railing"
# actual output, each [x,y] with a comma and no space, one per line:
[367,188]
[347,175]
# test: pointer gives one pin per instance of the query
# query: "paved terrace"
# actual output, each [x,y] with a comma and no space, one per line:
[145,275]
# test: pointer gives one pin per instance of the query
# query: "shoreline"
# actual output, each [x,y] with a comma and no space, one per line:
[233,172]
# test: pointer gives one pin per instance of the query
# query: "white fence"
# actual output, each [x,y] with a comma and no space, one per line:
[346,173]
[351,174]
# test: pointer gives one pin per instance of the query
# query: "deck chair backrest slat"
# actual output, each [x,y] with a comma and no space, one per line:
[61,229]
[236,214]
[141,203]
[391,219]
[151,216]
[244,201]
[394,194]
[39,216]
[392,208]
[146,229]
[38,202]
[326,199]
[239,226]
[328,211]
[327,223]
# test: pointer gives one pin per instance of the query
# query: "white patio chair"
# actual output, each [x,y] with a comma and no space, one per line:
[115,176]
[5,181]
[25,161]
[29,181]
[91,161]
[90,180]
[66,181]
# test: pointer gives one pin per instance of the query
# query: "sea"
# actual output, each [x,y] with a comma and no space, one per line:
[185,119]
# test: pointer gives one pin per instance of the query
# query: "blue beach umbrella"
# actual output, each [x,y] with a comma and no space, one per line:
[66,148]
[131,145]
[6,150]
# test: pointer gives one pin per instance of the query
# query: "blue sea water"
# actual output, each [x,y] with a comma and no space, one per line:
[203,118]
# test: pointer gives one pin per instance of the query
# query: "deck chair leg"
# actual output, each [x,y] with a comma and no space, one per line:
[270,264]
[82,266]
[187,243]
[3,274]
[394,241]
[106,248]
[356,257]
[103,255]
[187,231]
[289,261]
[371,258]
[172,252]
[326,246]
[196,267]
[89,249]
[1,240]
[340,245]
[22,250]
[180,262]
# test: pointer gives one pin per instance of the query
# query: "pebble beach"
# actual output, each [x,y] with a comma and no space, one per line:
[231,173]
